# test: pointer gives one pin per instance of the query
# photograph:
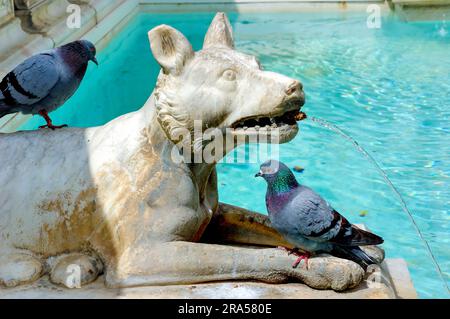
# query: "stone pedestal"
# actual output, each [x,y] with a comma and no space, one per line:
[395,284]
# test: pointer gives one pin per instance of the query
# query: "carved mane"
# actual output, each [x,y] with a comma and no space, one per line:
[172,116]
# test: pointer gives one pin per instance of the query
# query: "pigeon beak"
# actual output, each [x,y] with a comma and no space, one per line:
[259,174]
[94,59]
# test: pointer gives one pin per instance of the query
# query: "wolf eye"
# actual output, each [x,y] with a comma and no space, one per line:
[229,75]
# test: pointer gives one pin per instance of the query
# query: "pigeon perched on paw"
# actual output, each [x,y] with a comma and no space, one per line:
[309,222]
[45,81]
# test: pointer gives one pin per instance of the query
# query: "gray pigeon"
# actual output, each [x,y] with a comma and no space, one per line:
[45,81]
[308,222]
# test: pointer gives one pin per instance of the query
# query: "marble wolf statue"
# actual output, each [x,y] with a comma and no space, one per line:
[111,200]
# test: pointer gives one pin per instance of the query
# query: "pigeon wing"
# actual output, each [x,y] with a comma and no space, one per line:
[318,221]
[312,216]
[31,81]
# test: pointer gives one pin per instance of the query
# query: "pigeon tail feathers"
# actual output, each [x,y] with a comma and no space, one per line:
[350,235]
[355,254]
[361,237]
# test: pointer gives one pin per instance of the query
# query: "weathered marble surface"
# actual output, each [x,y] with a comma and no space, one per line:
[229,290]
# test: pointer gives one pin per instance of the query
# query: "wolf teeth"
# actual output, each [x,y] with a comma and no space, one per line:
[257,123]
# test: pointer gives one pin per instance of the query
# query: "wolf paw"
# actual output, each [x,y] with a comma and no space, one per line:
[19,269]
[75,270]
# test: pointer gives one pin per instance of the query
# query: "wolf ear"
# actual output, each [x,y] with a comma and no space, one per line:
[219,33]
[170,48]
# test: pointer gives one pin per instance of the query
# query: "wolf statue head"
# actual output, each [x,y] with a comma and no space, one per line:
[221,89]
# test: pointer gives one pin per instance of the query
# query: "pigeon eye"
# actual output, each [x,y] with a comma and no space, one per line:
[229,75]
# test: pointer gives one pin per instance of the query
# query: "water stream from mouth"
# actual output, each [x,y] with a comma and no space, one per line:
[332,127]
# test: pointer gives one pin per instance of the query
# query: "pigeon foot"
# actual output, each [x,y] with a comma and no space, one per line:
[53,127]
[49,124]
[19,268]
[300,254]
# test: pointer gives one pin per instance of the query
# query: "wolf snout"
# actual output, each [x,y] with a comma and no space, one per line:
[295,90]
[295,87]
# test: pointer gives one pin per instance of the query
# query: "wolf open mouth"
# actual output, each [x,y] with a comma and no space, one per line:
[283,125]
[288,118]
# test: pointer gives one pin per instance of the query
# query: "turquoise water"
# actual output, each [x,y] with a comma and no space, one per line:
[388,88]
